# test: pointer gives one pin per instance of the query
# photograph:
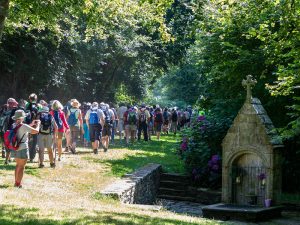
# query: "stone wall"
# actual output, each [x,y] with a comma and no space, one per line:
[137,188]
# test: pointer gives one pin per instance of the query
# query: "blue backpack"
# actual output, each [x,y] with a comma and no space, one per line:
[73,119]
[58,119]
[94,117]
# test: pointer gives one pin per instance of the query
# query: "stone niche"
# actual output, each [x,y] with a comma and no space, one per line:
[251,157]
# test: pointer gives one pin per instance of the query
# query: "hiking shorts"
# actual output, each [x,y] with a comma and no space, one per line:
[45,141]
[130,128]
[157,126]
[106,131]
[121,125]
[20,154]
[95,132]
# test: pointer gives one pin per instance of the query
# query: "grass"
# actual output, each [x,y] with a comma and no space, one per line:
[141,153]
[29,216]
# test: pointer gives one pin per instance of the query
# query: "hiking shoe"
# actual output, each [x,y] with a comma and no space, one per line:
[67,149]
[41,166]
[52,165]
[58,159]
[105,149]
[95,151]
[6,162]
[73,150]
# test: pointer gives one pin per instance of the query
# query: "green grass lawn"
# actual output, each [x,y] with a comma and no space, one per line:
[163,152]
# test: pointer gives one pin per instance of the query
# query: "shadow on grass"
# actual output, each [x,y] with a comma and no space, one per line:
[30,169]
[162,152]
[11,215]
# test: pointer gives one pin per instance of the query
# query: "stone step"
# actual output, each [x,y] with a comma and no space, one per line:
[177,198]
[173,192]
[173,185]
[174,177]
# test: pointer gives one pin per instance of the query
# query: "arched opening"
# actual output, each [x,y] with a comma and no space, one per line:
[249,176]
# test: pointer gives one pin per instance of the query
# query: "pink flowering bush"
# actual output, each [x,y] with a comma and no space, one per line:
[200,155]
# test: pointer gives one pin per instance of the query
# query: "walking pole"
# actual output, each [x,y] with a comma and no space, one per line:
[54,147]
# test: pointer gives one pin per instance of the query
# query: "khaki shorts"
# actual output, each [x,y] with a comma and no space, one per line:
[121,125]
[130,128]
[45,141]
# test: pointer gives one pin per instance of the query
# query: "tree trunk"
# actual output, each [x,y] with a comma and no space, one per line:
[4,5]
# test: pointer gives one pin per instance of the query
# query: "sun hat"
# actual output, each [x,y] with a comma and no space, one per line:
[94,106]
[75,103]
[12,101]
[19,114]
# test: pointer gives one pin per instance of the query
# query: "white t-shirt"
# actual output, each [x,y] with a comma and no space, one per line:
[120,112]
[23,130]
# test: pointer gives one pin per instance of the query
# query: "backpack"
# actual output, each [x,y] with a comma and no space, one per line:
[11,140]
[166,115]
[94,117]
[46,123]
[158,118]
[174,116]
[58,119]
[142,117]
[4,121]
[73,117]
[33,112]
[107,117]
[131,118]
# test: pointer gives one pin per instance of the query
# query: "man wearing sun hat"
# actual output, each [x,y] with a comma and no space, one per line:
[74,116]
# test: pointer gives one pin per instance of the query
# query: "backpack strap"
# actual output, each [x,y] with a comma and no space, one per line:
[16,130]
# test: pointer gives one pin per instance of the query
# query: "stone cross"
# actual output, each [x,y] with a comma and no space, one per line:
[249,83]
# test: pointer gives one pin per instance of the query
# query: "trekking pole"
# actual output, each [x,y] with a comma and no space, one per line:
[54,147]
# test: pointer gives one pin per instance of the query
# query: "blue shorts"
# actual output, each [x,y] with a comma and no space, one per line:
[95,132]
[20,154]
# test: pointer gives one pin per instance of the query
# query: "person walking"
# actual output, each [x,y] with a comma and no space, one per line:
[32,108]
[46,136]
[62,125]
[120,115]
[95,121]
[143,120]
[75,122]
[108,125]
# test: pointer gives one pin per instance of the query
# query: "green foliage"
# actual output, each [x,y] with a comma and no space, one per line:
[201,149]
[61,49]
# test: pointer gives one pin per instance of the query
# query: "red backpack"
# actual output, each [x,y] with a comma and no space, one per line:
[10,138]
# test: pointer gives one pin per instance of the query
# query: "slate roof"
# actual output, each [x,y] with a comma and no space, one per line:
[266,122]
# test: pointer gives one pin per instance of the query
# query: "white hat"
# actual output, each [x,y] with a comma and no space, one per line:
[94,105]
[19,114]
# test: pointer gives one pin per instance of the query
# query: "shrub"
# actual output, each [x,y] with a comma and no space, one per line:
[200,149]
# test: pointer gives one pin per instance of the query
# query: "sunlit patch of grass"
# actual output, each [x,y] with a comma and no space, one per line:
[105,198]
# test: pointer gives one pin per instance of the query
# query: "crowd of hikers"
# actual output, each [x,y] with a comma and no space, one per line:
[28,127]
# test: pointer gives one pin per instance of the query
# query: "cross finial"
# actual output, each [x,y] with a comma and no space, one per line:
[249,83]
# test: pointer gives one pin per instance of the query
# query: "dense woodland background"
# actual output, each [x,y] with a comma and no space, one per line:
[171,52]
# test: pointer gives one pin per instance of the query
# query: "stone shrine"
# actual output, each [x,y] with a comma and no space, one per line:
[251,165]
